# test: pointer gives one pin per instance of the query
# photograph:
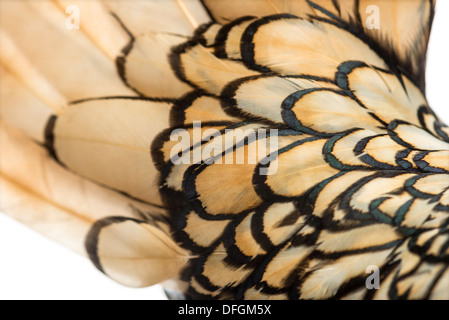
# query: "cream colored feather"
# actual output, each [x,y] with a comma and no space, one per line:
[38,82]
[357,162]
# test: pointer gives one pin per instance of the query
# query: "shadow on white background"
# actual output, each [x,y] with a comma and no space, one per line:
[32,267]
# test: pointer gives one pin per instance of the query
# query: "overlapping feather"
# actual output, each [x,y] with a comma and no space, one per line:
[357,162]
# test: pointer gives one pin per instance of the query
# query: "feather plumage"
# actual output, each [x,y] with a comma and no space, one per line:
[317,155]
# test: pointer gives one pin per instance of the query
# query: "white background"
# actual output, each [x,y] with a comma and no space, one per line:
[32,267]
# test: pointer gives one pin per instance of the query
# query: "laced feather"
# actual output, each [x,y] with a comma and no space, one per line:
[359,176]
[40,84]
